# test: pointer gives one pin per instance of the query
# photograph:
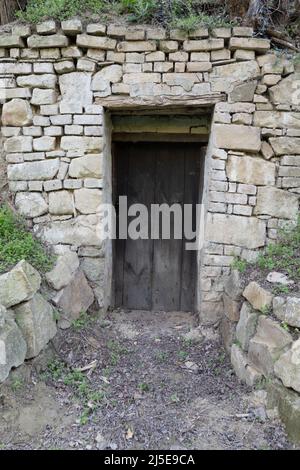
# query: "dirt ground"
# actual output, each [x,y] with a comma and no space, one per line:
[134,380]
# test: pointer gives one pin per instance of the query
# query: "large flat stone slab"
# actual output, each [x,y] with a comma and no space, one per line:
[237,137]
[19,285]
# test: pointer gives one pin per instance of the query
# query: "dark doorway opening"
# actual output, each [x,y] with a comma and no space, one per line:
[160,274]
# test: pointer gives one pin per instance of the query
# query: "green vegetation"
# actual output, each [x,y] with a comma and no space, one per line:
[239,264]
[82,322]
[182,14]
[17,243]
[283,256]
[90,398]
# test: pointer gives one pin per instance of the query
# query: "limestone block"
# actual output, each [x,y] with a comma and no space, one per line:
[287,310]
[37,81]
[276,202]
[250,170]
[30,171]
[74,299]
[277,119]
[233,285]
[18,144]
[259,298]
[44,144]
[72,27]
[247,232]
[19,284]
[81,144]
[285,145]
[203,45]
[96,29]
[69,84]
[16,112]
[89,166]
[40,96]
[13,350]
[245,371]
[10,41]
[66,66]
[243,92]
[95,42]
[55,40]
[236,137]
[246,326]
[31,204]
[268,344]
[287,91]
[231,308]
[267,151]
[64,270]
[242,31]
[255,44]
[289,412]
[287,368]
[106,76]
[61,203]
[35,319]
[83,231]
[237,72]
[15,68]
[87,201]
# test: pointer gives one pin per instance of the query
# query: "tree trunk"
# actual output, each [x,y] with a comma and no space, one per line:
[8,9]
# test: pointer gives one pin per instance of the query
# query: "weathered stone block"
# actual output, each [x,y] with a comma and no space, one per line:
[276,202]
[277,119]
[255,44]
[259,298]
[250,170]
[31,204]
[287,310]
[40,170]
[245,371]
[246,326]
[74,299]
[107,75]
[13,348]
[203,45]
[19,284]
[37,81]
[16,112]
[268,344]
[61,203]
[287,91]
[44,144]
[40,97]
[95,42]
[82,144]
[10,41]
[285,145]
[287,368]
[247,232]
[63,272]
[87,201]
[18,144]
[73,27]
[55,40]
[231,308]
[69,85]
[89,166]
[235,137]
[83,231]
[37,324]
[233,285]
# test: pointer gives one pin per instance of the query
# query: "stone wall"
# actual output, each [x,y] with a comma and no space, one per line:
[264,343]
[59,82]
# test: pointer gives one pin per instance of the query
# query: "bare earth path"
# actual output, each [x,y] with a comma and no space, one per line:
[152,381]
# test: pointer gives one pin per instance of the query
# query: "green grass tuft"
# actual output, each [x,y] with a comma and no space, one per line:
[17,243]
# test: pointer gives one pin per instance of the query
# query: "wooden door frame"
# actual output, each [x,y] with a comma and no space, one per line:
[108,136]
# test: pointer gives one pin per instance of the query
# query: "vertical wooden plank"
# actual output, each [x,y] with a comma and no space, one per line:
[138,253]
[121,162]
[167,258]
[191,192]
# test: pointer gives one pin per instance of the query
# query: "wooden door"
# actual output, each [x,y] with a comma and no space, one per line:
[156,274]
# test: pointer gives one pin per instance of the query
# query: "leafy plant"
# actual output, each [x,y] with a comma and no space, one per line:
[139,10]
[239,264]
[17,243]
[38,10]
[285,254]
